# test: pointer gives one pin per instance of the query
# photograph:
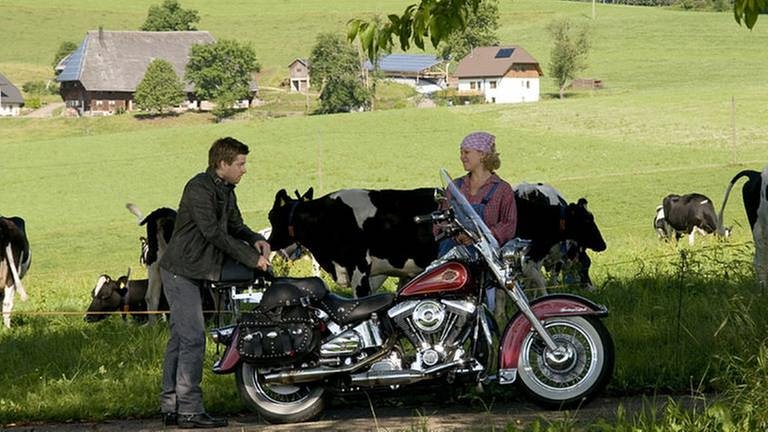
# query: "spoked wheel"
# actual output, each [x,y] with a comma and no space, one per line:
[278,403]
[575,372]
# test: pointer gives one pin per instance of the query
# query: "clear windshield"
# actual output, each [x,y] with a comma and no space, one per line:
[466,215]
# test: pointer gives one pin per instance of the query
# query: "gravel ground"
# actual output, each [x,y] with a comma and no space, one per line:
[427,416]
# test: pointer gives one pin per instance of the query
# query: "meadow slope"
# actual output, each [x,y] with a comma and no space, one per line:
[683,110]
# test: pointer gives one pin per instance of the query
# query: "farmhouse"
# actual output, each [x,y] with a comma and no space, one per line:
[424,72]
[501,74]
[10,98]
[298,72]
[101,76]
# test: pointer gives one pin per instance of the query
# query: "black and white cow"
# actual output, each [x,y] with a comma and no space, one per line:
[362,236]
[15,259]
[544,217]
[160,224]
[359,236]
[686,214]
[756,206]
[123,294]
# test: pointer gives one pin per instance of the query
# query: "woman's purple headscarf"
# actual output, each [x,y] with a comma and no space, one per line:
[480,141]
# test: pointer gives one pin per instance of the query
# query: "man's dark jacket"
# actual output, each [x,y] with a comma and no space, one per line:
[208,226]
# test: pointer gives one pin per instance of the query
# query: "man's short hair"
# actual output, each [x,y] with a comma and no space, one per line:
[225,149]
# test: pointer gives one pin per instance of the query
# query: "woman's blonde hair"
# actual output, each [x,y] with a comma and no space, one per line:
[491,160]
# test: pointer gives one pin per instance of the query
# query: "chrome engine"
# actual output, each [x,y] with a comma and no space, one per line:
[347,343]
[436,328]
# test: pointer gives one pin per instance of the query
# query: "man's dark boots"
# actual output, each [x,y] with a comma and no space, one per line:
[201,421]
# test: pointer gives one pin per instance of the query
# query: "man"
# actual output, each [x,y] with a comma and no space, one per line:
[208,228]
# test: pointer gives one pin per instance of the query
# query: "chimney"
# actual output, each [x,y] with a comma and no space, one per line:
[101,36]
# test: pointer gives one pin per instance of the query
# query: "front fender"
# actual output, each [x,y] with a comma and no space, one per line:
[555,305]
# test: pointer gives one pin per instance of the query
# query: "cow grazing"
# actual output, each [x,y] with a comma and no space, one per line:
[160,224]
[660,224]
[756,206]
[686,214]
[358,236]
[15,259]
[123,294]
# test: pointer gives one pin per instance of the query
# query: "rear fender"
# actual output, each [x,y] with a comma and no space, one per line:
[555,305]
[231,357]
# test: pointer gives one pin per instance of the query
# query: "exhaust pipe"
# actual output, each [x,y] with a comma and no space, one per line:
[398,377]
[316,374]
[371,378]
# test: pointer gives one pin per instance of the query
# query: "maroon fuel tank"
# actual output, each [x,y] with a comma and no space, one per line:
[451,277]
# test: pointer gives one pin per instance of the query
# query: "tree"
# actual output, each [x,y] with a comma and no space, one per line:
[336,71]
[221,72]
[66,48]
[480,30]
[161,88]
[748,11]
[569,53]
[432,19]
[332,57]
[436,19]
[170,16]
[343,94]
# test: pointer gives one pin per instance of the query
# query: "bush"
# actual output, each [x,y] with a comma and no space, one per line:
[453,97]
[35,87]
[33,102]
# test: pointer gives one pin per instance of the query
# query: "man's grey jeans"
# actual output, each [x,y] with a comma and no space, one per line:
[183,363]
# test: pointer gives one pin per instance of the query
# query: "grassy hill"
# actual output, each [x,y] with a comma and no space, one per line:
[683,110]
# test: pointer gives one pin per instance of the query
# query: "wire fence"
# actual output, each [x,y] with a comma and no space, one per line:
[598,265]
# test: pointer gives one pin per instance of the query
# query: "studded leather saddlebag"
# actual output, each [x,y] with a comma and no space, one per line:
[278,334]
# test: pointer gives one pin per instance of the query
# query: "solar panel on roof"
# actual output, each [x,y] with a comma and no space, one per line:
[73,64]
[504,53]
[405,63]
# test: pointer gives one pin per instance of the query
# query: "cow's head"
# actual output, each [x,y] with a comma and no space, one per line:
[580,226]
[107,296]
[281,215]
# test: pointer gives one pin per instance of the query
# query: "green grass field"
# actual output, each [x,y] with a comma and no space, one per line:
[683,110]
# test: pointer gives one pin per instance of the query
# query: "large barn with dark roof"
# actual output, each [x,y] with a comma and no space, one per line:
[101,76]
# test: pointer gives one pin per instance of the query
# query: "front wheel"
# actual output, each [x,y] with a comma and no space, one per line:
[576,372]
[278,403]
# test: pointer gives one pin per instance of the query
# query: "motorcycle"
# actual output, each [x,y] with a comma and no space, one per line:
[294,343]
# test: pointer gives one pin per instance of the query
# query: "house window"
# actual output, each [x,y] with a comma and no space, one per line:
[493,84]
[493,100]
[473,85]
[111,103]
[527,84]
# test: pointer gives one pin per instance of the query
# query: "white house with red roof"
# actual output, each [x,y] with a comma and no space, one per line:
[502,74]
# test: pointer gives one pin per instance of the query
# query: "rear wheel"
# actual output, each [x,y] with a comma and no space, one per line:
[576,372]
[278,403]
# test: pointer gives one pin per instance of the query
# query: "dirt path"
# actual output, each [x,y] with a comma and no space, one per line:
[46,111]
[425,417]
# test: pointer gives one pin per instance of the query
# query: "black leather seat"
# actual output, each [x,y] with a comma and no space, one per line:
[349,310]
[312,287]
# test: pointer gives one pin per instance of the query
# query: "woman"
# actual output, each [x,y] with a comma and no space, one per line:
[491,197]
